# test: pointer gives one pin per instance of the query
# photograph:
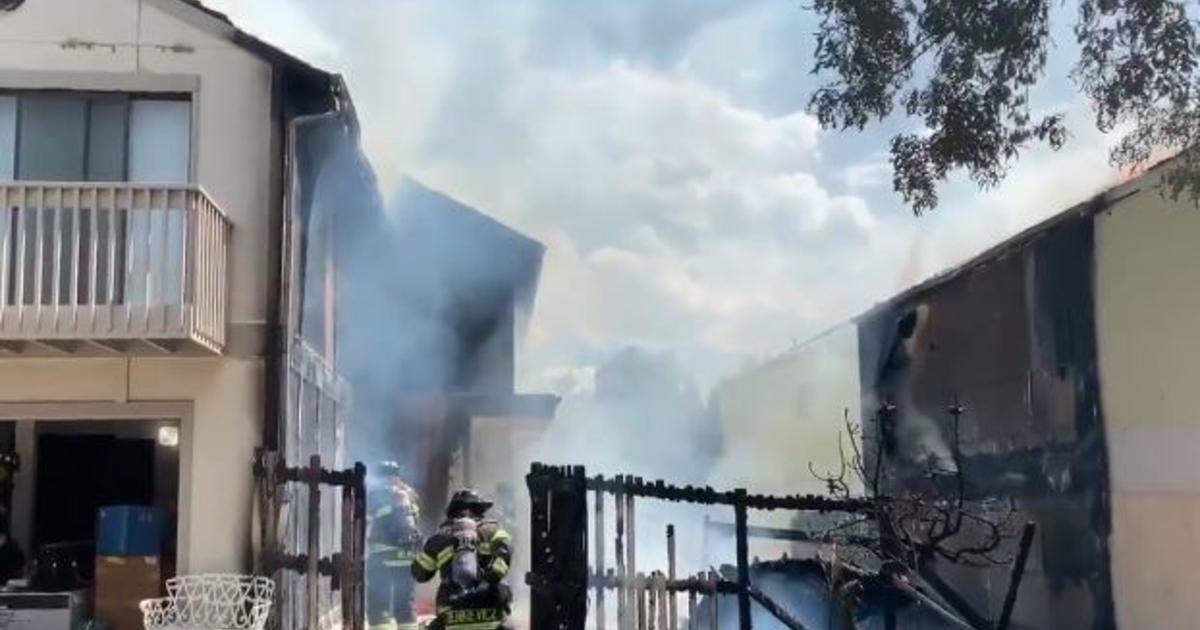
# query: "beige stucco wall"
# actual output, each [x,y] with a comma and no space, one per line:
[159,45]
[1147,313]
[64,40]
[224,397]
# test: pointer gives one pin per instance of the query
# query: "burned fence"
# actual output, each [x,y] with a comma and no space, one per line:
[560,577]
[306,567]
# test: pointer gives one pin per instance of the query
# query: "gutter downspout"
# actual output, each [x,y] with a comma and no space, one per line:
[272,346]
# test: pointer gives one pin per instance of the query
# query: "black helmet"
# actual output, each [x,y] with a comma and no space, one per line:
[467,499]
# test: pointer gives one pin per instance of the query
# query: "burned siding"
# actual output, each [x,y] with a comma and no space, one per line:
[1013,339]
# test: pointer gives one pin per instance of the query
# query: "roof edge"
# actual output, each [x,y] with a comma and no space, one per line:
[1087,208]
[268,52]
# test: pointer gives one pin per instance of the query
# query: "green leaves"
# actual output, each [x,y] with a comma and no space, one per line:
[964,68]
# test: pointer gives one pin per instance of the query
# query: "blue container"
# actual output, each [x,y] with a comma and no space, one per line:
[129,530]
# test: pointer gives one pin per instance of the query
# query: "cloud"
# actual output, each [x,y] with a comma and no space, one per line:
[651,33]
[873,173]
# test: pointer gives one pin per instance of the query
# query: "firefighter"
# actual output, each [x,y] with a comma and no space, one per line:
[393,541]
[471,553]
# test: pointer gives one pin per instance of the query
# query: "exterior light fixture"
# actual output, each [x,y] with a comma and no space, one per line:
[168,436]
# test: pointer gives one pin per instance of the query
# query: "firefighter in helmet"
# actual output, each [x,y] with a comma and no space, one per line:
[393,541]
[471,553]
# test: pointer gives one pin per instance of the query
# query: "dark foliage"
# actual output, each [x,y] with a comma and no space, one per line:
[964,68]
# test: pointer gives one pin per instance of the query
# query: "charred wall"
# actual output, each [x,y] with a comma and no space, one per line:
[1013,339]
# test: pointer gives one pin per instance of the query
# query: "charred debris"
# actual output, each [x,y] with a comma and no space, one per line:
[871,589]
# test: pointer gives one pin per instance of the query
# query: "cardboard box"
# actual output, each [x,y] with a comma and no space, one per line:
[122,582]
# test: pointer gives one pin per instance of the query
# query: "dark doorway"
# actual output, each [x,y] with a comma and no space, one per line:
[78,474]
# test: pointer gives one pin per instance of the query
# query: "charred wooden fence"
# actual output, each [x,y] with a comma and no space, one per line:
[321,571]
[559,576]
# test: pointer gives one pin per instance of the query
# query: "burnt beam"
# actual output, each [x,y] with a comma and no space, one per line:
[952,597]
[1018,571]
[659,489]
[775,609]
[743,560]
[793,535]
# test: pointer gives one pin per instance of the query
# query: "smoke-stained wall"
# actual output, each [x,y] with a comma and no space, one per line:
[1011,337]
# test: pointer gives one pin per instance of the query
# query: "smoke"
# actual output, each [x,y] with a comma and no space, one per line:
[428,293]
[758,430]
[645,417]
[920,440]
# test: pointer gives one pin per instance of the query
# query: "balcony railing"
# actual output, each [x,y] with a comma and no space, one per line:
[100,267]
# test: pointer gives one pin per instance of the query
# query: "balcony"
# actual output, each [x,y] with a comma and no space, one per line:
[102,269]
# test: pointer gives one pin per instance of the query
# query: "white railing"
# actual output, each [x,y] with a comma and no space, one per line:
[111,262]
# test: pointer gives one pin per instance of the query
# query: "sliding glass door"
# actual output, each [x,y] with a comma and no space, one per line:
[124,255]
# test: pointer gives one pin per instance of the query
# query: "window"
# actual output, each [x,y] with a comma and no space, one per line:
[52,138]
[77,137]
[8,136]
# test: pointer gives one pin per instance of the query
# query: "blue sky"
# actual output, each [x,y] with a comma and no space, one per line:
[662,153]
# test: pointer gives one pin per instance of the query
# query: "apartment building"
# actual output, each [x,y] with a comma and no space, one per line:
[1070,349]
[168,187]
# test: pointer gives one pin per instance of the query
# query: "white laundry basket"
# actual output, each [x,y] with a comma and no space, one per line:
[214,601]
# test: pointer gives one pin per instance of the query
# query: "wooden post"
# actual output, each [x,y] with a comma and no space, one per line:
[653,605]
[660,588]
[559,571]
[639,590]
[637,614]
[743,560]
[691,623]
[360,546]
[622,575]
[1018,570]
[599,551]
[574,523]
[541,609]
[714,610]
[672,613]
[345,563]
[313,578]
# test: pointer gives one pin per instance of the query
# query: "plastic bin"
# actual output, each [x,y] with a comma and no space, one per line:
[129,530]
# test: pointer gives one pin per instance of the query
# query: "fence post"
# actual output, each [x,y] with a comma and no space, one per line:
[672,613]
[559,555]
[599,554]
[619,547]
[313,579]
[360,545]
[691,618]
[743,560]
[541,609]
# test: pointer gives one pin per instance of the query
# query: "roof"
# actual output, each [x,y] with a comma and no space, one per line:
[465,217]
[479,259]
[260,47]
[1090,207]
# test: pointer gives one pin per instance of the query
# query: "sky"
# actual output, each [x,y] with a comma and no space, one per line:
[662,153]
